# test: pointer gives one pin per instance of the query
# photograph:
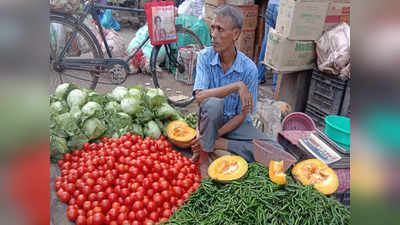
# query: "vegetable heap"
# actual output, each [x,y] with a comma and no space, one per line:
[81,115]
[257,200]
[126,180]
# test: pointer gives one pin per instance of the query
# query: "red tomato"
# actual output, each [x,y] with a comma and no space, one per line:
[86,190]
[156,186]
[137,205]
[113,197]
[157,198]
[100,196]
[166,205]
[113,212]
[177,191]
[131,215]
[123,209]
[116,205]
[98,219]
[185,196]
[87,205]
[140,178]
[164,185]
[63,195]
[92,197]
[121,217]
[187,183]
[105,205]
[128,201]
[180,202]
[72,214]
[140,215]
[80,220]
[151,206]
[147,183]
[166,213]
[165,194]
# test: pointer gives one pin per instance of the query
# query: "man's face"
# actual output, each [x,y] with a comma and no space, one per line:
[223,35]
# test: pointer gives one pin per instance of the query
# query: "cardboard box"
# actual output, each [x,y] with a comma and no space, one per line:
[302,19]
[249,12]
[240,2]
[215,2]
[245,43]
[337,13]
[286,55]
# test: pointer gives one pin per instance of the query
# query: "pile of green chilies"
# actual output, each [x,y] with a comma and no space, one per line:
[255,199]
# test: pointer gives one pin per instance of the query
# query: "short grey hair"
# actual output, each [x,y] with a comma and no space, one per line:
[233,12]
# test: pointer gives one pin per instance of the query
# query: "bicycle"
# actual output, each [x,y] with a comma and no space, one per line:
[89,58]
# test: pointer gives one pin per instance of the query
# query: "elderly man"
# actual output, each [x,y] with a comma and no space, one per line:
[226,90]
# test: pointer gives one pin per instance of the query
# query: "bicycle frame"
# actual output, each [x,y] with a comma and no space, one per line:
[80,64]
[83,64]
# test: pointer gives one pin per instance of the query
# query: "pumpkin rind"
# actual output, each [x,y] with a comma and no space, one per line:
[227,168]
[315,172]
[276,173]
[180,134]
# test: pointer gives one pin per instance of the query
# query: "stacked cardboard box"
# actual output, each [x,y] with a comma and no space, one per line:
[299,24]
[245,43]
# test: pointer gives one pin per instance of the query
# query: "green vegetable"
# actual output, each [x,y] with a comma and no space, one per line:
[93,109]
[131,105]
[76,98]
[151,130]
[191,120]
[144,116]
[113,107]
[137,129]
[67,123]
[58,107]
[63,90]
[166,112]
[257,200]
[58,147]
[93,128]
[77,141]
[119,93]
[155,97]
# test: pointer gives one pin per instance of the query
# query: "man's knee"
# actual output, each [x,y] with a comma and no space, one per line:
[214,107]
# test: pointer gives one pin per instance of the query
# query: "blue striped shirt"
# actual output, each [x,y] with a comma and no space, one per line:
[209,74]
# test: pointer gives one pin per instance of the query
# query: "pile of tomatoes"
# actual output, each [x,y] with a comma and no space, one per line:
[126,180]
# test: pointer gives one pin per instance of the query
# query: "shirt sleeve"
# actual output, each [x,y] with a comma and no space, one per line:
[251,82]
[202,81]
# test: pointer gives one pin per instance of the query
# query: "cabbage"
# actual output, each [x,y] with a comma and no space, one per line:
[144,116]
[93,128]
[134,92]
[165,111]
[76,112]
[63,90]
[58,147]
[67,123]
[118,124]
[58,107]
[151,130]
[131,105]
[96,97]
[113,107]
[155,97]
[119,93]
[76,98]
[77,141]
[92,108]
[137,129]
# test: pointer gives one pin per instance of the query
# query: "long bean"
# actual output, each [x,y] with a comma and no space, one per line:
[257,200]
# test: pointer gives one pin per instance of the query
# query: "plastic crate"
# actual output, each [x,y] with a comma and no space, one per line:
[316,115]
[326,92]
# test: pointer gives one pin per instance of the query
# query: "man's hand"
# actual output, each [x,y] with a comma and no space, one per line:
[246,98]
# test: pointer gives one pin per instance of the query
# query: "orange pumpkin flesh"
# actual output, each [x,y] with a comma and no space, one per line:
[227,168]
[315,172]
[276,173]
[180,134]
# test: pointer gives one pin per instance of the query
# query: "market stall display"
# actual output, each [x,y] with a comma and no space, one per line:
[81,115]
[126,180]
[257,200]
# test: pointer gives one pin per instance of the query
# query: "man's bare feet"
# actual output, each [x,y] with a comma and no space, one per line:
[195,156]
[203,164]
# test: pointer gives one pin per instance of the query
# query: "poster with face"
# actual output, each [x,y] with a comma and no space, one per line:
[161,22]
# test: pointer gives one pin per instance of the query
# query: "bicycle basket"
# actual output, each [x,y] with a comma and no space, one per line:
[160,18]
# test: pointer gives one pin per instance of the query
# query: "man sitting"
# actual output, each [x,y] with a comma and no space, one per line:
[226,90]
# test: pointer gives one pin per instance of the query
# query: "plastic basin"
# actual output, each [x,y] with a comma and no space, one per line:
[337,128]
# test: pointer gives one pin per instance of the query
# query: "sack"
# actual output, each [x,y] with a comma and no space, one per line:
[67,6]
[160,18]
[59,37]
[115,42]
[333,51]
[107,20]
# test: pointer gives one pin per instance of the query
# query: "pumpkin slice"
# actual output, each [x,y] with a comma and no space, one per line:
[315,172]
[180,134]
[276,173]
[227,168]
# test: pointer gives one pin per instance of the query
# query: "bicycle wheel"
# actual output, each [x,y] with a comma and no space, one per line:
[85,46]
[179,67]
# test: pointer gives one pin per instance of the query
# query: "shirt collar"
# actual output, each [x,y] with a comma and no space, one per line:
[236,66]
